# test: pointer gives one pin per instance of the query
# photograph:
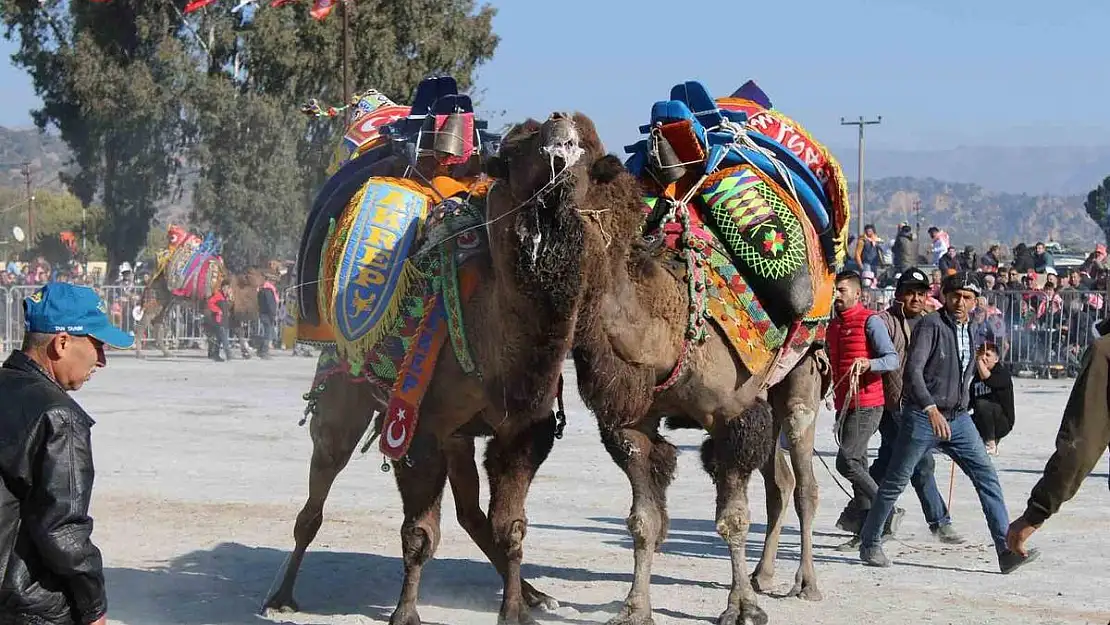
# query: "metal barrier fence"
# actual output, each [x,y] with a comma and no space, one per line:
[184,326]
[1037,335]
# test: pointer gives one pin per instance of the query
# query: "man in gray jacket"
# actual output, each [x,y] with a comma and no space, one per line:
[908,308]
[935,400]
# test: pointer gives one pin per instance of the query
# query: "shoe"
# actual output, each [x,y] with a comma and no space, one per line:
[1008,561]
[947,535]
[850,520]
[873,556]
[852,544]
[894,522]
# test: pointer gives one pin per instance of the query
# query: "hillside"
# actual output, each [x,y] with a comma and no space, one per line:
[45,153]
[974,216]
[1035,170]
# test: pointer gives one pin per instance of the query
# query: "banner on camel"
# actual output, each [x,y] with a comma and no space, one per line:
[374,239]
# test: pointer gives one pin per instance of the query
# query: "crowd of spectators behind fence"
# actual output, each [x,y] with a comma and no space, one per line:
[1026,297]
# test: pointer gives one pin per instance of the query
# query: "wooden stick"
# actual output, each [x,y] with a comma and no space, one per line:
[951,484]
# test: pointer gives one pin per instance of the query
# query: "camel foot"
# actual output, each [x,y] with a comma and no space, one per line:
[140,355]
[630,617]
[281,604]
[806,590]
[404,617]
[518,617]
[537,599]
[762,583]
[747,614]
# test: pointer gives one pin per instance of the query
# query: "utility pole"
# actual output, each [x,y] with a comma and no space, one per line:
[859,184]
[26,171]
[344,12]
[917,218]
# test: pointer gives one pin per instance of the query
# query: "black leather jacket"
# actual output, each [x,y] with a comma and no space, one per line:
[52,572]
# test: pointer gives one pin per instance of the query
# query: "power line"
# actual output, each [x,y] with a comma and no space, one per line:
[859,183]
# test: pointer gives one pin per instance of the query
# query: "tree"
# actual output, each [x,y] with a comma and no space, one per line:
[112,77]
[1097,206]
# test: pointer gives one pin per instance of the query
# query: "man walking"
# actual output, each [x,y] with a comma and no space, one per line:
[859,349]
[935,414]
[50,570]
[267,316]
[908,307]
[1083,437]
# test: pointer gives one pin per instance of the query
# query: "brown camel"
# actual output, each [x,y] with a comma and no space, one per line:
[631,336]
[157,301]
[519,325]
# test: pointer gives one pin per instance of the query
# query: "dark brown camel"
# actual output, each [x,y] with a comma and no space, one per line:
[157,301]
[630,338]
[519,324]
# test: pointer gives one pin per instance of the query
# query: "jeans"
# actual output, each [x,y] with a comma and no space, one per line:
[856,430]
[268,333]
[915,439]
[924,480]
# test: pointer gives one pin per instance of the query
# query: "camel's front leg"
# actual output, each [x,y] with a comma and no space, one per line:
[649,462]
[740,446]
[511,463]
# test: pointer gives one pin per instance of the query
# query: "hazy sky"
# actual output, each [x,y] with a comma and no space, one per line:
[941,72]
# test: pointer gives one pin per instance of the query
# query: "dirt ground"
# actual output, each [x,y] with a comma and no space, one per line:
[201,469]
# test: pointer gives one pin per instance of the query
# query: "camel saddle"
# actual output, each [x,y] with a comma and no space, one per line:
[192,267]
[756,222]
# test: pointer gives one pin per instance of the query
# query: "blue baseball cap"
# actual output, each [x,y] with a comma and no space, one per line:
[78,310]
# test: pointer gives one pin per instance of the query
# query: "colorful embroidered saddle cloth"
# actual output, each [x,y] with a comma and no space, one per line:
[193,269]
[758,225]
[441,273]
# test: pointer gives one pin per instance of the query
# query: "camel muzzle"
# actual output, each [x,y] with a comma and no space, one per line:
[561,142]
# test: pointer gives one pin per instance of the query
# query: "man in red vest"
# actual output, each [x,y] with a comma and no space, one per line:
[861,351]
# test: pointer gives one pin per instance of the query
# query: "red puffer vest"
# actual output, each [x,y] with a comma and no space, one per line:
[847,342]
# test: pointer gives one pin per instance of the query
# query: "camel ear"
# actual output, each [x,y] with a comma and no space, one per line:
[496,168]
[606,169]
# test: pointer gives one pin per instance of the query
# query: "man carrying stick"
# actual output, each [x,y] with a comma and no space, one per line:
[935,415]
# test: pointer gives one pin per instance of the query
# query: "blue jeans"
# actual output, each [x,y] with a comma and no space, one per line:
[924,480]
[915,440]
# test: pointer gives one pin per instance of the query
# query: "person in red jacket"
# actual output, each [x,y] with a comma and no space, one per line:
[217,313]
[860,350]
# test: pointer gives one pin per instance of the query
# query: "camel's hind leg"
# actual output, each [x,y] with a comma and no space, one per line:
[344,411]
[737,448]
[421,487]
[462,474]
[778,483]
[795,402]
[512,460]
[649,461]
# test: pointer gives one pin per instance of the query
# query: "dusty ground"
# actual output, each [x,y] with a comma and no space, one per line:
[202,469]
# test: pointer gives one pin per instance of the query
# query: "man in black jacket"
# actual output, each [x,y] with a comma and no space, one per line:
[50,571]
[935,401]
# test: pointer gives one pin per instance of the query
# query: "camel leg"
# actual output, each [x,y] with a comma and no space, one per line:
[778,482]
[342,416]
[244,346]
[805,502]
[462,474]
[649,461]
[739,447]
[511,463]
[421,487]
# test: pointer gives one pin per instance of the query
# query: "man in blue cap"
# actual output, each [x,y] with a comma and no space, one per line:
[50,570]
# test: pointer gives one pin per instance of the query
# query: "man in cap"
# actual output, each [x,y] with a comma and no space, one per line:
[935,403]
[907,309]
[50,570]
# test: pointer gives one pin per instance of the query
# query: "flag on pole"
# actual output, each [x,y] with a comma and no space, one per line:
[321,8]
[197,4]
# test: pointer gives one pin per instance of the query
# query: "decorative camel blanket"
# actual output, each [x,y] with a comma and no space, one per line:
[424,310]
[192,268]
[755,225]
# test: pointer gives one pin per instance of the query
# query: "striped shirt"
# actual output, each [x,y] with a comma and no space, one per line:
[963,342]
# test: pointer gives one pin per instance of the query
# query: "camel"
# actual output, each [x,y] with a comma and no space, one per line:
[156,302]
[631,336]
[519,325]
